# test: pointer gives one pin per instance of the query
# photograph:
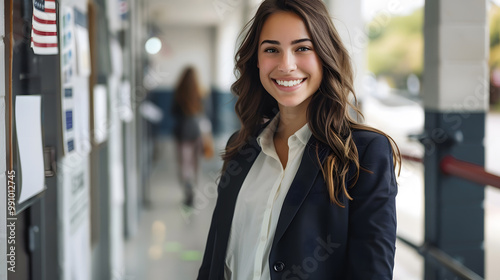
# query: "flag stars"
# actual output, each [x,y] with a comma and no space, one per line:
[40,5]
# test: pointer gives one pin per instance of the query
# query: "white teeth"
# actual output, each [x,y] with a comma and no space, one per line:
[289,83]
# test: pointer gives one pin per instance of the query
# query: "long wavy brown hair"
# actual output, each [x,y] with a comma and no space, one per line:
[188,94]
[327,113]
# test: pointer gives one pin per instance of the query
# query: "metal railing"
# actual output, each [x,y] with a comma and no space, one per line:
[449,165]
[437,256]
[469,171]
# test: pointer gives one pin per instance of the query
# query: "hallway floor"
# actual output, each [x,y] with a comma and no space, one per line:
[171,238]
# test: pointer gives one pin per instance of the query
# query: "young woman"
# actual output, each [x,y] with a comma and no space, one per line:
[306,192]
[188,111]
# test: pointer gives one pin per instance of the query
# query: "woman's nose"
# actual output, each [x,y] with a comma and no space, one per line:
[287,63]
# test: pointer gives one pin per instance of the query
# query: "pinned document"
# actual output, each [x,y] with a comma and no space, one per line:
[29,139]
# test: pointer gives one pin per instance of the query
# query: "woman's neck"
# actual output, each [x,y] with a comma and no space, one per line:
[290,121]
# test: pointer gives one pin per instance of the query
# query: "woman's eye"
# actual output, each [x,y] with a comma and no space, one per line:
[270,50]
[303,49]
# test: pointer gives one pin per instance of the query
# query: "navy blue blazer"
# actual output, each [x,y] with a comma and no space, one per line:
[316,239]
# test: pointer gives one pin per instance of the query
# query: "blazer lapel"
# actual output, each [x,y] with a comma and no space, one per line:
[230,185]
[301,185]
[236,172]
[232,180]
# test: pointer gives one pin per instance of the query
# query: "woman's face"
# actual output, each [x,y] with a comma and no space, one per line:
[289,68]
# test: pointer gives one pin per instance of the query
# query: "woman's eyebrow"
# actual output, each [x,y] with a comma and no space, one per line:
[274,42]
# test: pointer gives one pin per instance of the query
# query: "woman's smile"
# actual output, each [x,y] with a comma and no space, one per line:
[288,84]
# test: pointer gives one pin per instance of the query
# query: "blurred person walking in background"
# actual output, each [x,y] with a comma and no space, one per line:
[190,127]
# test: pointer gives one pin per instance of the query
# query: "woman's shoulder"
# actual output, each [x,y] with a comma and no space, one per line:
[370,141]
[233,137]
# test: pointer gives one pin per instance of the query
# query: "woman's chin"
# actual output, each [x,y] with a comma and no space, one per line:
[292,104]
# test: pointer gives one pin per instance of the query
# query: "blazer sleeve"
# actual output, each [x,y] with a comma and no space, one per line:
[372,214]
[204,272]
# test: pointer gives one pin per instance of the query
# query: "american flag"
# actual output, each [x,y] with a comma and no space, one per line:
[123,8]
[44,30]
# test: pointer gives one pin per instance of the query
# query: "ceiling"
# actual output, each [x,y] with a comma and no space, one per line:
[190,12]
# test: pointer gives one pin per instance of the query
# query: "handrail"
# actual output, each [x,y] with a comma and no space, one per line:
[438,256]
[412,158]
[469,171]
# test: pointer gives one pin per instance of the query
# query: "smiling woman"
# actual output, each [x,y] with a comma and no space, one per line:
[306,192]
[289,68]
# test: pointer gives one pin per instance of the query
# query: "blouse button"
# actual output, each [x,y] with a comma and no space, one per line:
[279,266]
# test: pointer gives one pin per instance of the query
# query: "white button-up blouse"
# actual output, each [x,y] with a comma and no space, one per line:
[259,203]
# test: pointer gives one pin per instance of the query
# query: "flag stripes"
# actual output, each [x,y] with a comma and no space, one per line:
[44,28]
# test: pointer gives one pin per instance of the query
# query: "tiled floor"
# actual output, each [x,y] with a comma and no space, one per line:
[170,242]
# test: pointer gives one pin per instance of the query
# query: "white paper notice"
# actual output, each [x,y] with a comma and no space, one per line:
[83,50]
[125,109]
[29,138]
[74,191]
[68,75]
[100,114]
[82,115]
